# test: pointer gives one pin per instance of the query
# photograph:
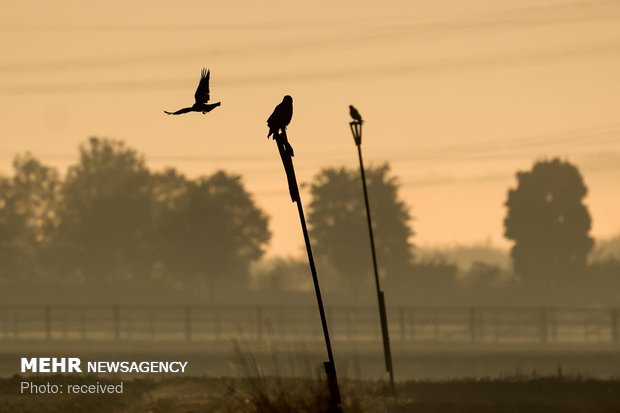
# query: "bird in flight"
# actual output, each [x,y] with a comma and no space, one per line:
[355,114]
[201,96]
[281,116]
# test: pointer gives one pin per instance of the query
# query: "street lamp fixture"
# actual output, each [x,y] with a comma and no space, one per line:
[356,130]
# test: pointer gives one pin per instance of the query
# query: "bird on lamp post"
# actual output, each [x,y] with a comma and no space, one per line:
[355,114]
[356,125]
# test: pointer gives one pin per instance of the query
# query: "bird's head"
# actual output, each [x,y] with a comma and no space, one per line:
[287,99]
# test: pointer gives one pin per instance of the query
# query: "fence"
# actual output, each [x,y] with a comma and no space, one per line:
[359,324]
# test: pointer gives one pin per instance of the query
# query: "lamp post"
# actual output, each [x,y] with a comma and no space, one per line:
[356,130]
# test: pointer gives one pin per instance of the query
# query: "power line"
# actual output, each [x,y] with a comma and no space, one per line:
[596,138]
[591,136]
[528,17]
[421,67]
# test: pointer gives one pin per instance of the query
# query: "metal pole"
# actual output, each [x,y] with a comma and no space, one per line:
[330,366]
[356,129]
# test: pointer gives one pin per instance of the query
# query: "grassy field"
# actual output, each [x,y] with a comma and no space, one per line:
[255,393]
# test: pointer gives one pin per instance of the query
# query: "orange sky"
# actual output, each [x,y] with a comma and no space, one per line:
[457,96]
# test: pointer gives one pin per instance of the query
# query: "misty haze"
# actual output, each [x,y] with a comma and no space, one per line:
[469,262]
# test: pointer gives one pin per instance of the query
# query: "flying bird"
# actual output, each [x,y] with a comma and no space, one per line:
[281,116]
[355,114]
[201,96]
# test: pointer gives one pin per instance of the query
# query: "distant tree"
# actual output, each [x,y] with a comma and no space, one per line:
[548,223]
[432,280]
[337,220]
[603,282]
[282,274]
[28,216]
[105,219]
[209,229]
[112,219]
[607,248]
[466,255]
[482,275]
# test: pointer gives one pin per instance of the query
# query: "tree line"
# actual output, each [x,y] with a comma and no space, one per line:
[110,218]
[113,218]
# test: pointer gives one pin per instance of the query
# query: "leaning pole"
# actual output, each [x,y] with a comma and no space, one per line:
[286,154]
[356,130]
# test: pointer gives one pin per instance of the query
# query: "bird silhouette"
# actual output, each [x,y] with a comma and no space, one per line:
[277,122]
[281,116]
[355,114]
[201,96]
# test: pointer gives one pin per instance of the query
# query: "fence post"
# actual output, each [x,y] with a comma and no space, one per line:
[5,323]
[472,324]
[48,322]
[348,322]
[401,322]
[82,323]
[280,322]
[188,323]
[117,323]
[553,325]
[615,329]
[259,322]
[151,324]
[15,323]
[544,326]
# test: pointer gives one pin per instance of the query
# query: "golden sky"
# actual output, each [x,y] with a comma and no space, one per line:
[457,95]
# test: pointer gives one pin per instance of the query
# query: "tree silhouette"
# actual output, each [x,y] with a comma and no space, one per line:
[209,229]
[548,223]
[28,216]
[105,219]
[112,219]
[337,220]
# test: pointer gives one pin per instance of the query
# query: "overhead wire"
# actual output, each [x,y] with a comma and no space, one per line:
[422,67]
[387,33]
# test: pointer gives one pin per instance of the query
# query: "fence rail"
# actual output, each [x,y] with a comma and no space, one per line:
[359,324]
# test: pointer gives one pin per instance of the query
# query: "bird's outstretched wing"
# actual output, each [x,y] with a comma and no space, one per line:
[202,91]
[180,111]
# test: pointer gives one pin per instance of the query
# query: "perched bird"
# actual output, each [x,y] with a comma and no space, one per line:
[201,96]
[355,114]
[281,116]
[277,122]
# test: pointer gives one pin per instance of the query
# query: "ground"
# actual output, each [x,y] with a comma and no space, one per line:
[529,394]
